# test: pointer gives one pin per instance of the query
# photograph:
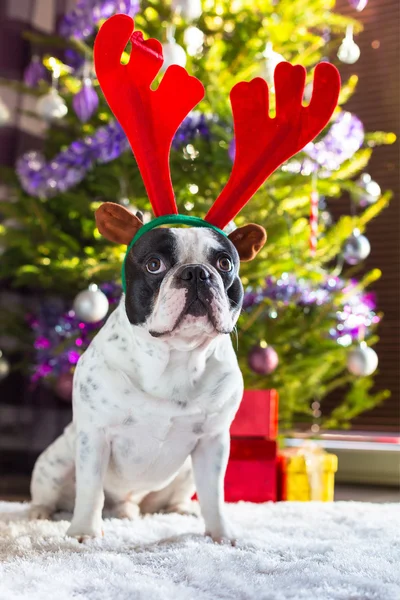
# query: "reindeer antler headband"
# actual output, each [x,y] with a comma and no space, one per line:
[150,119]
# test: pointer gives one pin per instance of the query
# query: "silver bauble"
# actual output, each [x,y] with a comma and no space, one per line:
[4,366]
[370,190]
[362,361]
[51,107]
[356,248]
[189,9]
[4,113]
[91,305]
[174,54]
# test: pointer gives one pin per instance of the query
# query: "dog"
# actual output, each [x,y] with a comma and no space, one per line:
[156,391]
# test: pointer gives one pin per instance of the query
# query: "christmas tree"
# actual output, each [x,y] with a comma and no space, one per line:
[308,321]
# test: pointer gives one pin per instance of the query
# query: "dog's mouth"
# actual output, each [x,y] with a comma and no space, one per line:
[198,308]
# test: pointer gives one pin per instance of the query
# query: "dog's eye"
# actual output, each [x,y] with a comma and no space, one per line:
[155,265]
[224,264]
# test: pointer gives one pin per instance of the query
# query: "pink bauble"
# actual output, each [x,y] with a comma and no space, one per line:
[263,360]
[64,386]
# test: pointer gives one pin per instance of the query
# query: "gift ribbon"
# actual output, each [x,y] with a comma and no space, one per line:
[314,457]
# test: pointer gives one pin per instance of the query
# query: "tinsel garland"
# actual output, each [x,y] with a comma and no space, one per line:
[354,318]
[68,168]
[61,338]
[83,19]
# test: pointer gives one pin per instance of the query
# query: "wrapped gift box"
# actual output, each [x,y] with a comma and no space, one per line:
[306,473]
[252,470]
[257,415]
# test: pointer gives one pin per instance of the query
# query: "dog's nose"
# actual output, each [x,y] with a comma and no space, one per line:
[194,273]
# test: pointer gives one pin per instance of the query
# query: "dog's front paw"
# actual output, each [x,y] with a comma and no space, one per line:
[222,534]
[84,532]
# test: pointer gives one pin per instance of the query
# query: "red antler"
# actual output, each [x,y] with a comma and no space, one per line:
[264,143]
[149,118]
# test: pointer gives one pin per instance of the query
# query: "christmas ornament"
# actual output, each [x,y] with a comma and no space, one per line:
[4,113]
[189,9]
[61,337]
[356,248]
[358,4]
[314,198]
[370,193]
[174,54]
[34,72]
[69,166]
[86,101]
[263,360]
[308,92]
[51,107]
[63,386]
[271,60]
[4,366]
[194,39]
[326,218]
[342,141]
[91,305]
[349,52]
[87,14]
[362,361]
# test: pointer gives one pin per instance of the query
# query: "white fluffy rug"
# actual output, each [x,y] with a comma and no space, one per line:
[285,551]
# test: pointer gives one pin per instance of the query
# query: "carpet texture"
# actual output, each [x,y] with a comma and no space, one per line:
[285,551]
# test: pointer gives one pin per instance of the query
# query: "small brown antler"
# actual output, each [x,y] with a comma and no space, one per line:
[149,118]
[264,143]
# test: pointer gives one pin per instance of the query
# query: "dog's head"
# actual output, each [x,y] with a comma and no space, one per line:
[181,283]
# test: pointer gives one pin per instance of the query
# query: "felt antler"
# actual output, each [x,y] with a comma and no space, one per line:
[149,118]
[264,143]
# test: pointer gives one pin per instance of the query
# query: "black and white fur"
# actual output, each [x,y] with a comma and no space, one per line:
[154,394]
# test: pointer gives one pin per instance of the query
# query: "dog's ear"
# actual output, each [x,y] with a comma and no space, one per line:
[116,223]
[248,240]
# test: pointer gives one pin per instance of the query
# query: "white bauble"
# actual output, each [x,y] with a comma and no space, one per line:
[194,39]
[174,54]
[4,366]
[189,9]
[349,52]
[91,305]
[362,361]
[356,248]
[4,113]
[271,60]
[51,107]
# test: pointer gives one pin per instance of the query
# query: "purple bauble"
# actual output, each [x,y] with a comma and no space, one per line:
[232,150]
[263,360]
[86,101]
[34,72]
[358,4]
[64,386]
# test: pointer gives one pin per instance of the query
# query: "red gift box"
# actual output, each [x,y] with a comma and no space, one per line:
[257,415]
[251,473]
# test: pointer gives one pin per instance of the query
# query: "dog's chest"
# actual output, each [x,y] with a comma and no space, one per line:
[151,453]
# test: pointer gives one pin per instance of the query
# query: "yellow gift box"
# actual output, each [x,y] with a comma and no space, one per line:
[307,473]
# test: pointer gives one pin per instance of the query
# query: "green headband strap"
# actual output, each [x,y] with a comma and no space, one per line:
[166,220]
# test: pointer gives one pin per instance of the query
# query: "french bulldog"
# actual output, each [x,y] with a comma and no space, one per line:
[156,391]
